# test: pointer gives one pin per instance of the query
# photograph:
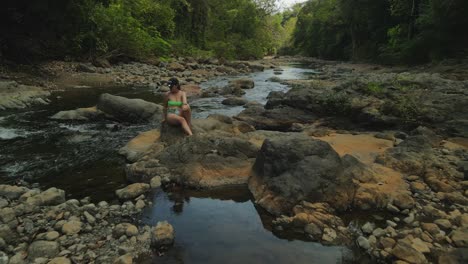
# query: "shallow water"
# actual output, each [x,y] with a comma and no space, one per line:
[213,228]
[219,226]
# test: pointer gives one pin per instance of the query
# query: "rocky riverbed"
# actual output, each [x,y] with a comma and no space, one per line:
[349,140]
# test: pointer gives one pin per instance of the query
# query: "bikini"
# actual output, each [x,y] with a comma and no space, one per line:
[174,110]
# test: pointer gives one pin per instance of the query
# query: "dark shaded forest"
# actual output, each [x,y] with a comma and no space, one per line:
[388,31]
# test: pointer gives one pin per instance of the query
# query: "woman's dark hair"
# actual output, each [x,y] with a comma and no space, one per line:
[174,81]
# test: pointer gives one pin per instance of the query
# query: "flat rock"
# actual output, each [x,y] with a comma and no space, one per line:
[132,191]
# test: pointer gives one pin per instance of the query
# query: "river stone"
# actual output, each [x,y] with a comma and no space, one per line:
[432,228]
[40,248]
[3,203]
[406,252]
[363,242]
[420,245]
[71,227]
[444,223]
[313,229]
[52,235]
[460,237]
[368,228]
[12,191]
[129,110]
[8,234]
[329,235]
[131,231]
[140,204]
[2,243]
[162,234]
[244,83]
[132,191]
[125,259]
[234,101]
[89,218]
[3,258]
[88,113]
[60,260]
[7,215]
[155,182]
[51,196]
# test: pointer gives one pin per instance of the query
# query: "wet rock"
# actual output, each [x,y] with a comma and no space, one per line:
[460,237]
[313,230]
[433,229]
[17,96]
[90,113]
[89,218]
[244,83]
[51,196]
[60,260]
[7,215]
[420,245]
[234,101]
[444,223]
[125,259]
[387,242]
[363,242]
[52,235]
[8,234]
[39,248]
[368,228]
[3,258]
[155,182]
[130,110]
[162,234]
[131,231]
[329,235]
[406,252]
[11,191]
[132,191]
[71,227]
[140,204]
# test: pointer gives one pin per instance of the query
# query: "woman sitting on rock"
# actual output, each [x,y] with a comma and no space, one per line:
[176,109]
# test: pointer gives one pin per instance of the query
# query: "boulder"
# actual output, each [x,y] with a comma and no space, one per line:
[203,160]
[12,191]
[406,252]
[51,196]
[290,169]
[132,191]
[71,227]
[129,110]
[90,113]
[162,234]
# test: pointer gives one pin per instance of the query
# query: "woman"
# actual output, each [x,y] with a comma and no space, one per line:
[176,109]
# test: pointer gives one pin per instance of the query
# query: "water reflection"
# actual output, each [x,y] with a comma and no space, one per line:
[224,226]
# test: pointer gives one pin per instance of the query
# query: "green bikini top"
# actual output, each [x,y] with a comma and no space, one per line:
[174,103]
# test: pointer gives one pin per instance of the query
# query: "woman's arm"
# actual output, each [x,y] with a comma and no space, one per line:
[166,99]
[185,105]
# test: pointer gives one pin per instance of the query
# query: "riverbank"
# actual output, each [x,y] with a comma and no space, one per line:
[357,138]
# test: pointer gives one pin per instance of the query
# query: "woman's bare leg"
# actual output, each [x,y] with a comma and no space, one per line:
[178,120]
[187,114]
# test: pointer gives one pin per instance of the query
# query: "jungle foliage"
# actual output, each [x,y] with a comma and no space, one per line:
[393,31]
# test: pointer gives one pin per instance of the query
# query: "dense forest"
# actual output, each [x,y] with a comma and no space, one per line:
[389,31]
[392,31]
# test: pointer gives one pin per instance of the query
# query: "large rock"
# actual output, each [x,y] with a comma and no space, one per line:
[132,191]
[51,196]
[205,160]
[12,191]
[17,96]
[162,234]
[84,114]
[137,147]
[290,169]
[460,237]
[8,234]
[130,110]
[278,119]
[43,249]
[234,101]
[72,227]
